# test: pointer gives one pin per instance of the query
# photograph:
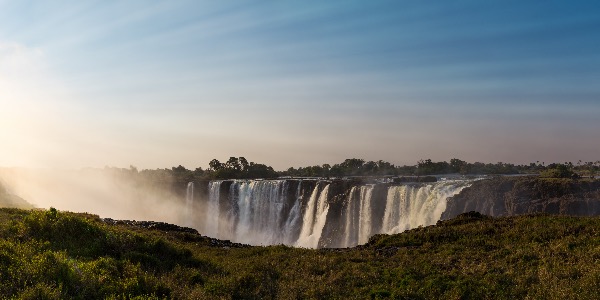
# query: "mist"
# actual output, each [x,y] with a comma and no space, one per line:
[109,193]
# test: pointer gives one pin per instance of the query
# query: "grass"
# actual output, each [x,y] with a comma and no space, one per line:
[61,255]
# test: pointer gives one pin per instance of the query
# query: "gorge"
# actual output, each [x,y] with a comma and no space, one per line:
[304,212]
[314,213]
[340,213]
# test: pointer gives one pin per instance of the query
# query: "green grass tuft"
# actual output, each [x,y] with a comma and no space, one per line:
[61,255]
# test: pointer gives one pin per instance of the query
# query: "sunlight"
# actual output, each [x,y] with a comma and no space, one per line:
[30,101]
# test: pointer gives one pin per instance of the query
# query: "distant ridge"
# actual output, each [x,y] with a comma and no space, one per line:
[13,201]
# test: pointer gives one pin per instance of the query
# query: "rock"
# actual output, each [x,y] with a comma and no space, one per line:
[508,196]
[405,179]
[166,227]
[162,226]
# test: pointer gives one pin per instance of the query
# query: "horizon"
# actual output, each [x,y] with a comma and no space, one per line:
[156,85]
[579,163]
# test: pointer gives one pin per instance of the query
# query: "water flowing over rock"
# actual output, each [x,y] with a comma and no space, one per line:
[314,219]
[317,213]
[402,212]
[189,202]
[212,211]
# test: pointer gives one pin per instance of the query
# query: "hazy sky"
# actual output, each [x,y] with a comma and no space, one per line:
[294,83]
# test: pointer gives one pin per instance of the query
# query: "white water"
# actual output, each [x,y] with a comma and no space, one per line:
[294,217]
[409,207]
[189,201]
[358,215]
[261,207]
[311,230]
[308,221]
[267,212]
[211,226]
[350,220]
[365,214]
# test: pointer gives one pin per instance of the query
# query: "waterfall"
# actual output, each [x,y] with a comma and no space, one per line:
[314,219]
[308,219]
[350,230]
[365,214]
[293,218]
[211,226]
[262,207]
[413,206]
[189,201]
[317,213]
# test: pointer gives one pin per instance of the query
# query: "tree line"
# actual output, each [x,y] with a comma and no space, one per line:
[241,168]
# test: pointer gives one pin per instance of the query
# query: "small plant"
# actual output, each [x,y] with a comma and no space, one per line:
[52,213]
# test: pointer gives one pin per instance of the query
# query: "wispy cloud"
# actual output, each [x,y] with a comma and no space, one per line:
[184,82]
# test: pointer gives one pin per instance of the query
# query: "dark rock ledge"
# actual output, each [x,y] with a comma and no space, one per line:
[167,227]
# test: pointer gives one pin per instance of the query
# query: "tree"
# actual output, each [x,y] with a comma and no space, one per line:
[215,165]
[425,167]
[198,173]
[352,166]
[233,163]
[326,168]
[457,165]
[243,163]
[180,173]
[560,171]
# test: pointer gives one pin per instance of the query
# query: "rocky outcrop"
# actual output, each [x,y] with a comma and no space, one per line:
[161,226]
[507,196]
[171,228]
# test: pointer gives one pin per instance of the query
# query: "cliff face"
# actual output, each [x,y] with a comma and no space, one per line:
[507,196]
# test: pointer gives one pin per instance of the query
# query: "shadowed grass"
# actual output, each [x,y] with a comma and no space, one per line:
[61,255]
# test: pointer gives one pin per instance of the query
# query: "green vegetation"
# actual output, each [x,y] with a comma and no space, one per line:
[358,167]
[560,171]
[349,167]
[60,255]
[240,168]
[10,200]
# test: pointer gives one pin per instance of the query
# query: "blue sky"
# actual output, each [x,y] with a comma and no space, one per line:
[295,83]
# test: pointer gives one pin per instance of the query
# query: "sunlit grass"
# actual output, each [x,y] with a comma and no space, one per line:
[57,255]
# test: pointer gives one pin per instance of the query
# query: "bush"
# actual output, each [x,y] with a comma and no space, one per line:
[472,256]
[561,171]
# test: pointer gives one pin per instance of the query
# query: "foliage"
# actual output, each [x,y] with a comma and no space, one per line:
[349,167]
[60,255]
[559,171]
[241,168]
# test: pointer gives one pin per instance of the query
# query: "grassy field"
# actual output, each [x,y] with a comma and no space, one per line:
[61,255]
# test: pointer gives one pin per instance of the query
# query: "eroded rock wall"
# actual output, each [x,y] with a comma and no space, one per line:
[507,196]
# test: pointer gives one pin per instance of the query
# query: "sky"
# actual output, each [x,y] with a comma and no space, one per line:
[156,84]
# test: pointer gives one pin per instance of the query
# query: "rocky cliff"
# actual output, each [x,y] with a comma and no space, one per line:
[507,196]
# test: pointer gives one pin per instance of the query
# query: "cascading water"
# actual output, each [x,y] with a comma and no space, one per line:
[413,206]
[212,211]
[314,220]
[189,201]
[294,217]
[357,215]
[365,214]
[261,206]
[304,213]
